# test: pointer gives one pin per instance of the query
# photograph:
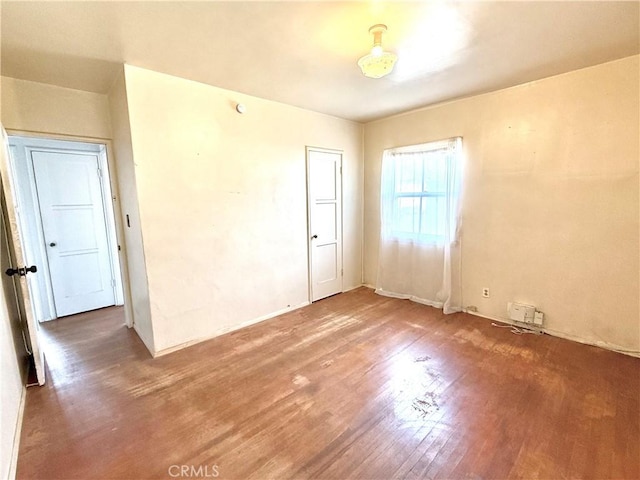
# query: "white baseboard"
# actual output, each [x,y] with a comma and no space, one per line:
[16,438]
[595,343]
[566,336]
[227,329]
[348,289]
[141,337]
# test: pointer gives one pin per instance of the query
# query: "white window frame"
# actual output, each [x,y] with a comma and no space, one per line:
[416,235]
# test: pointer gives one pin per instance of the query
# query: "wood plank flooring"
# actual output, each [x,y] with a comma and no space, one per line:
[354,386]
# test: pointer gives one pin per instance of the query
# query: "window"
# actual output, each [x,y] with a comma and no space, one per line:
[420,191]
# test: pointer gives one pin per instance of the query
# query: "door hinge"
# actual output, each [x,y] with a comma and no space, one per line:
[113,282]
[342,272]
[99,172]
[340,169]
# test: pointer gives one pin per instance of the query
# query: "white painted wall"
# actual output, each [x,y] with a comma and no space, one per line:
[133,257]
[41,108]
[222,200]
[550,206]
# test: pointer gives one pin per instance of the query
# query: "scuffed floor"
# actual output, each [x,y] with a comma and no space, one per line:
[353,386]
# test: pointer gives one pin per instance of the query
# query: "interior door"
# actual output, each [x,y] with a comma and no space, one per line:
[75,231]
[324,190]
[16,258]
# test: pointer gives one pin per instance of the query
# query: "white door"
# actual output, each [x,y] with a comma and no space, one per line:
[16,258]
[324,189]
[75,231]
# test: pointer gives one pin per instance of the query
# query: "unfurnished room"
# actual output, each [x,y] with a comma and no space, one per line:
[362,240]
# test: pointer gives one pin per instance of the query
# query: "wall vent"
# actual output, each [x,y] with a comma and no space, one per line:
[520,312]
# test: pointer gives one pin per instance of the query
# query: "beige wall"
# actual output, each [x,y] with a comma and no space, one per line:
[222,201]
[40,108]
[219,192]
[550,205]
[132,256]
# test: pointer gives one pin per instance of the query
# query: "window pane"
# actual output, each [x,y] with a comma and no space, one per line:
[408,173]
[417,190]
[435,172]
[407,215]
[433,216]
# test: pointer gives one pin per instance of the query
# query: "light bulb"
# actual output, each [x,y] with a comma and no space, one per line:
[378,63]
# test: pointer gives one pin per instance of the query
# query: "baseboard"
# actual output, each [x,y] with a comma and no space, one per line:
[566,336]
[16,438]
[348,289]
[227,329]
[141,337]
[606,345]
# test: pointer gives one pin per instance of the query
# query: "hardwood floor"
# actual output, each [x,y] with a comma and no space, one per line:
[354,386]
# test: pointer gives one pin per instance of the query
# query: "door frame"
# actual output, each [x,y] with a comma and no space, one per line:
[309,149]
[17,260]
[113,217]
[68,150]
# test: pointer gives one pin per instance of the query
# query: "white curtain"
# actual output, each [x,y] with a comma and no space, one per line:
[420,192]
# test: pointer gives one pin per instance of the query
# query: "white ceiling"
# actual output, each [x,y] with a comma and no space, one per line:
[305,53]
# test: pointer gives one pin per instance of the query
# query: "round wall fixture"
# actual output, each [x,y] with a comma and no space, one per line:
[240,108]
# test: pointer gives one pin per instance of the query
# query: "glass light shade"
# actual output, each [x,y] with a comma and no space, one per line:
[377,65]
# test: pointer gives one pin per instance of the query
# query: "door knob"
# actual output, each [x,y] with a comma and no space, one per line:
[52,244]
[314,237]
[21,271]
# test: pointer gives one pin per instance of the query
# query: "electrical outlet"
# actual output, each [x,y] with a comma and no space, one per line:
[485,292]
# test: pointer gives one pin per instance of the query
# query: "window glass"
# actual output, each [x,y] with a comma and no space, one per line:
[419,190]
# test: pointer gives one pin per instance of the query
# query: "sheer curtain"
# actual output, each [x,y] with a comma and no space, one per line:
[420,192]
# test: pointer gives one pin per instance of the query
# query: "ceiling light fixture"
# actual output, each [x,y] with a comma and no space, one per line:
[378,63]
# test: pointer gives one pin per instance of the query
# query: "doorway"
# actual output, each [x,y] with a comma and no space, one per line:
[65,214]
[324,192]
